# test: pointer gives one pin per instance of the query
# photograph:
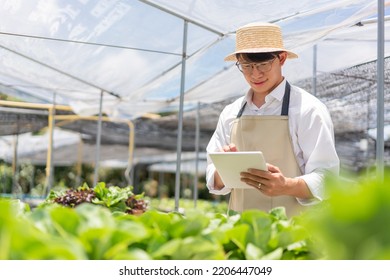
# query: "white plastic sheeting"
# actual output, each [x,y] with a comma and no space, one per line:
[69,149]
[29,145]
[373,133]
[188,167]
[131,49]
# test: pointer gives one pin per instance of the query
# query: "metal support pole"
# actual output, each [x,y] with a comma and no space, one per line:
[380,92]
[314,82]
[49,159]
[196,175]
[15,169]
[180,124]
[49,152]
[160,184]
[79,165]
[129,168]
[98,140]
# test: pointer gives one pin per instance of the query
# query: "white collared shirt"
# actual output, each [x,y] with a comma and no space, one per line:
[311,131]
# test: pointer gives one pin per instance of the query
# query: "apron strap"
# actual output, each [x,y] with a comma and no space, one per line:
[286,100]
[285,104]
[241,111]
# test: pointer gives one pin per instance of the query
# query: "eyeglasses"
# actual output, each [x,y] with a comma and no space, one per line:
[247,68]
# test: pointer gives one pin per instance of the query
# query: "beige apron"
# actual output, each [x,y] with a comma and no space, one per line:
[270,135]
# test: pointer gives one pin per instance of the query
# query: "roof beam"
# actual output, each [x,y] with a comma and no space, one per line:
[147,2]
[87,43]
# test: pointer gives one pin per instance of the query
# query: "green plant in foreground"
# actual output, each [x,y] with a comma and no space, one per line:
[354,224]
[90,231]
[168,205]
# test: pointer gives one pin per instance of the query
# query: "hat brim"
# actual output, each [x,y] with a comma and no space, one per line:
[232,56]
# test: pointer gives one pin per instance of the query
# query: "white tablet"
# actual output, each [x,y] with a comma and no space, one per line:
[230,164]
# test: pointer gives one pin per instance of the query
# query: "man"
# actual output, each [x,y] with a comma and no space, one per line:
[292,128]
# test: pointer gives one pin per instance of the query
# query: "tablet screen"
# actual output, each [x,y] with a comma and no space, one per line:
[230,164]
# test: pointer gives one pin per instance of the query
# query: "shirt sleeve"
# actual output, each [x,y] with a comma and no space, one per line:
[314,181]
[210,181]
[316,140]
[220,138]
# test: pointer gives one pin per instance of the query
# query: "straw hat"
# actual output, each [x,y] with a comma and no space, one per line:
[259,38]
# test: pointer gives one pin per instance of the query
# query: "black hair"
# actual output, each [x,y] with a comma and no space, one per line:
[257,57]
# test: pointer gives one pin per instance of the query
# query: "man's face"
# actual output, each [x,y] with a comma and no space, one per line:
[263,77]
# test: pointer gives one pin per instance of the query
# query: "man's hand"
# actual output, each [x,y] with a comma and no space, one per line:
[229,148]
[218,184]
[273,183]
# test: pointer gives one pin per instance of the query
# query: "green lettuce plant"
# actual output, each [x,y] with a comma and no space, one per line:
[114,198]
[92,231]
[354,223]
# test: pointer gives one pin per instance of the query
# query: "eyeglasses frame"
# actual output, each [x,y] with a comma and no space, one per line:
[254,64]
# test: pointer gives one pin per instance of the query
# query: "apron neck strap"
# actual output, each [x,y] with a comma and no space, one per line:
[286,100]
[241,110]
[285,104]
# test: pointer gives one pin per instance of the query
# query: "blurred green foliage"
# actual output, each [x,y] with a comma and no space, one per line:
[354,223]
[168,205]
[93,232]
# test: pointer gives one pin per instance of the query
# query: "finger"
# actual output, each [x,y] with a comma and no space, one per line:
[273,168]
[259,186]
[259,173]
[250,177]
[233,147]
[226,148]
[230,148]
[254,180]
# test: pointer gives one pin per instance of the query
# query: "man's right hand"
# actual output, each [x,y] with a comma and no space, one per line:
[218,184]
[230,148]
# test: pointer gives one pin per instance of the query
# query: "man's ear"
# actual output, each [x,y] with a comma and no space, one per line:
[282,58]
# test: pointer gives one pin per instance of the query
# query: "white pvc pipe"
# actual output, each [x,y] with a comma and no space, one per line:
[380,145]
[98,140]
[197,135]
[180,124]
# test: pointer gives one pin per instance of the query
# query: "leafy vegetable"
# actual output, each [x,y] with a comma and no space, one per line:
[354,224]
[114,198]
[90,231]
